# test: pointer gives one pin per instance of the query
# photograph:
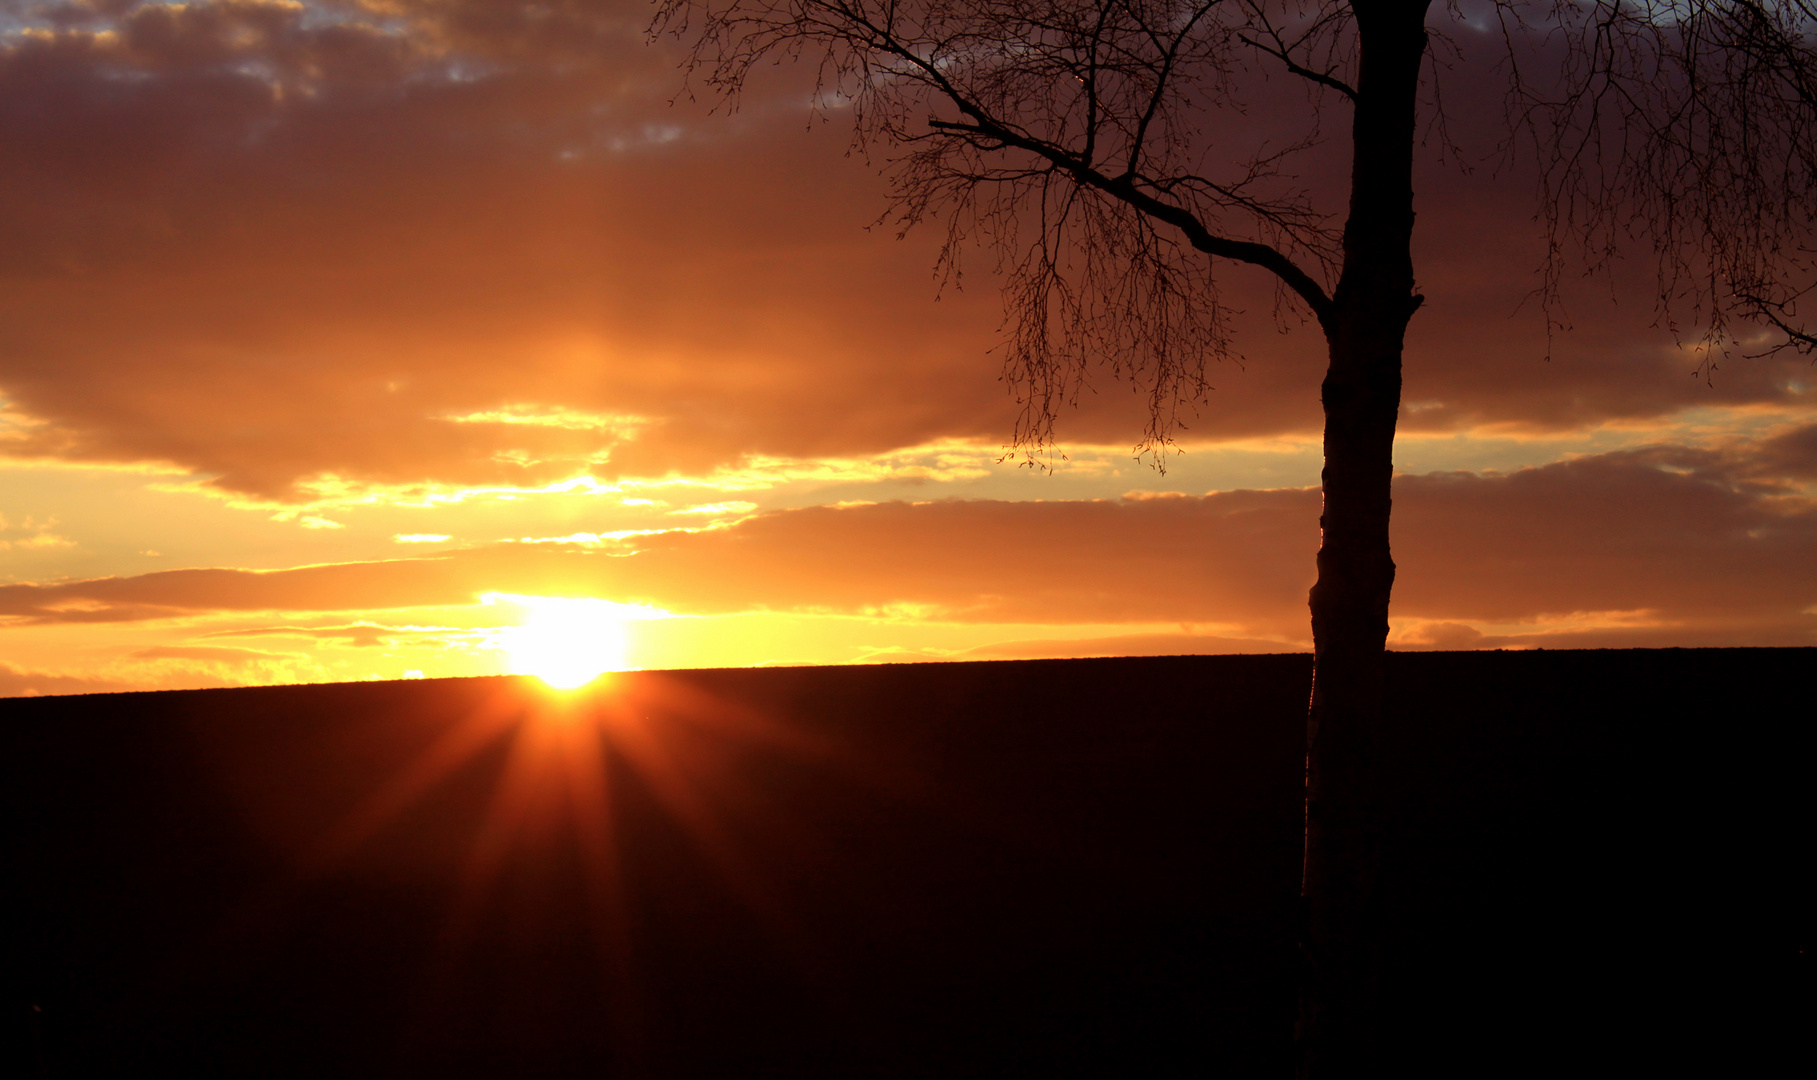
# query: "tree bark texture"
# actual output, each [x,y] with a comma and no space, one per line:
[1364,327]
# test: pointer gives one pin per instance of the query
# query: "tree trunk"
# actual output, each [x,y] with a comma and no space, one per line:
[1364,330]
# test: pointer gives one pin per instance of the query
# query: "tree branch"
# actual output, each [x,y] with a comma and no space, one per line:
[1322,78]
[1123,187]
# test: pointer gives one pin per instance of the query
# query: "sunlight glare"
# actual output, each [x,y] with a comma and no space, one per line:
[566,642]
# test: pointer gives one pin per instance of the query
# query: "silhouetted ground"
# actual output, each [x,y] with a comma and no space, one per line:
[1598,865]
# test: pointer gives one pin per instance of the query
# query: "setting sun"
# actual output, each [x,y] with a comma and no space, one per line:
[567,642]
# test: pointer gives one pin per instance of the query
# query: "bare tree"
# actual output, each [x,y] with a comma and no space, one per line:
[1090,144]
[1689,126]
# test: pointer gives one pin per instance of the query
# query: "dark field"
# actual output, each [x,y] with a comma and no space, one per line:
[1597,865]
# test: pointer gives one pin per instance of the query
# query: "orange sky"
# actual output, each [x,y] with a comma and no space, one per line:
[329,328]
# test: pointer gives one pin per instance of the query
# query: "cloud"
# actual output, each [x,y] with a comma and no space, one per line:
[1791,454]
[332,247]
[1181,644]
[18,682]
[1647,544]
[1686,533]
[472,243]
[359,635]
[38,542]
[205,652]
[975,560]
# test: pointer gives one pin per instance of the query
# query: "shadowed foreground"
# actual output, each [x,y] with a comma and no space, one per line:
[1040,868]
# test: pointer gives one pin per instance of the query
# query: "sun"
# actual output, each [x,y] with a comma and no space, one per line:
[566,642]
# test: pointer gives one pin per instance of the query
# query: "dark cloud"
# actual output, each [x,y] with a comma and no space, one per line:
[268,241]
[1792,454]
[1675,531]
[236,241]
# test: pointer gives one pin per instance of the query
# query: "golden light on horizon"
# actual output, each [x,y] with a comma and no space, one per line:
[567,642]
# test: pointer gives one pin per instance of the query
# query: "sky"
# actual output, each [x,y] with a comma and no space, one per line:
[350,340]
